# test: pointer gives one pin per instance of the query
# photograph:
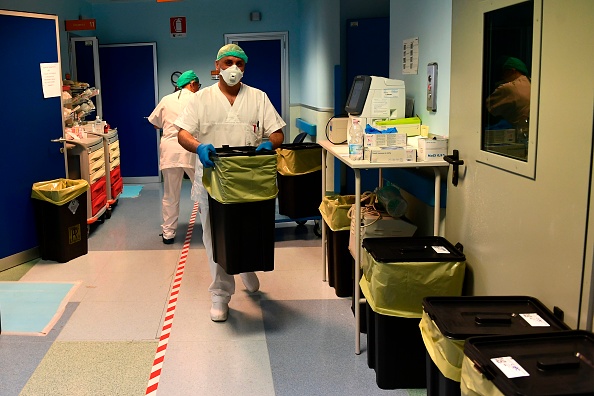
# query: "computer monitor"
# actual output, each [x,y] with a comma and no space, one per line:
[358,95]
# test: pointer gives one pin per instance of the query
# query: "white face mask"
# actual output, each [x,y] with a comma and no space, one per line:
[232,75]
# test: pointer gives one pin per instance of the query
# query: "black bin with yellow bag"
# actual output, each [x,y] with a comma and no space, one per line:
[60,208]
[242,195]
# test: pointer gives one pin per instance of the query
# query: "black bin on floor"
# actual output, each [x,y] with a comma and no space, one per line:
[398,272]
[60,208]
[299,175]
[557,363]
[448,321]
[242,195]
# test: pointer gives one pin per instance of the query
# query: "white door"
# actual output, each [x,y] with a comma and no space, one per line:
[524,219]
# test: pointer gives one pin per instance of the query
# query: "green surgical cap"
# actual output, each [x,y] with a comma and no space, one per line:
[232,50]
[186,78]
[515,63]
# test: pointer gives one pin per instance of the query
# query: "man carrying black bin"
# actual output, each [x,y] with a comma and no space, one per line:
[234,114]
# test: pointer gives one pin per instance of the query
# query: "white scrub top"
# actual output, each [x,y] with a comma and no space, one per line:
[211,119]
[172,154]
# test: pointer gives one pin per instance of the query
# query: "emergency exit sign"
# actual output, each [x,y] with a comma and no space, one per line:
[80,24]
[177,27]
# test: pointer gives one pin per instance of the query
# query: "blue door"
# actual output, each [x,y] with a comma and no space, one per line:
[126,107]
[263,70]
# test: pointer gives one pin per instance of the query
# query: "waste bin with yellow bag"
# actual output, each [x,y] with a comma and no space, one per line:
[398,272]
[299,175]
[448,322]
[60,208]
[242,194]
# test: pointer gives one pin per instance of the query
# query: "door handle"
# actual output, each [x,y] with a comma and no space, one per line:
[455,161]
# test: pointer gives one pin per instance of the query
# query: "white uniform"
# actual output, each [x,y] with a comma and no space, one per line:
[174,159]
[211,119]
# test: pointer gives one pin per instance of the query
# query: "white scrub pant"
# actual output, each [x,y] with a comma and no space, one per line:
[172,182]
[223,284]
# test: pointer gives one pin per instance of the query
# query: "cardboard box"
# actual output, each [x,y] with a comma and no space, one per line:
[385,227]
[384,140]
[390,154]
[432,149]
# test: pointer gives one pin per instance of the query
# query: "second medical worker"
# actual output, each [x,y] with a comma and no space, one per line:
[226,113]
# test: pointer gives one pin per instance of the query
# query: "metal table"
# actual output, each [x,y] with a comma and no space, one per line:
[341,152]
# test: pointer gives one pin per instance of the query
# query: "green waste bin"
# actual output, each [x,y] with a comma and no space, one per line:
[60,208]
[241,198]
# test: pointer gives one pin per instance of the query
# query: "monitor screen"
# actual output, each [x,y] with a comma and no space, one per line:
[358,95]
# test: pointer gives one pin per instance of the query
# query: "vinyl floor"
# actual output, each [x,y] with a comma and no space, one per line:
[293,337]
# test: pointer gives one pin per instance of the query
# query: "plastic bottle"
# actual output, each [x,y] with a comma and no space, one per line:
[98,125]
[356,141]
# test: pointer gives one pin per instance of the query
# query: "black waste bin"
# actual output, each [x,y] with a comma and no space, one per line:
[448,321]
[299,177]
[242,193]
[398,272]
[341,265]
[60,208]
[558,363]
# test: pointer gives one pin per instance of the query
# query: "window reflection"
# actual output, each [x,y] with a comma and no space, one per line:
[507,60]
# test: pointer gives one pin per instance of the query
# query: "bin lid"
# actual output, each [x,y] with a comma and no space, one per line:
[300,146]
[412,249]
[558,363]
[236,151]
[467,316]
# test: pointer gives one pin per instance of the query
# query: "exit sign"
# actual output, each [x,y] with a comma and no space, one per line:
[80,24]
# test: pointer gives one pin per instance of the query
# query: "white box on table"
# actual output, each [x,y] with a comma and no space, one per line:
[432,149]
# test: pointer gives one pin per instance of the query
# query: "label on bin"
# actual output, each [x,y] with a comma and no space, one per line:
[440,249]
[510,367]
[73,206]
[534,320]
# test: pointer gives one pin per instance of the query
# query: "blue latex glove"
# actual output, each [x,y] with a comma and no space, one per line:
[265,146]
[203,152]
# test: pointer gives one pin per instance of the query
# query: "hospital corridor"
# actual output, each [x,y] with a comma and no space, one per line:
[138,319]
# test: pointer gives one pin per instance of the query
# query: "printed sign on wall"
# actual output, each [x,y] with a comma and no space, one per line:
[177,27]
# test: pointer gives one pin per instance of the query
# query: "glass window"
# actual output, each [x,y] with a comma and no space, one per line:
[511,54]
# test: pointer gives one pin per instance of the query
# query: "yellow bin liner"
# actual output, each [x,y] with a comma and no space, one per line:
[398,289]
[335,209]
[299,162]
[474,383]
[240,179]
[446,353]
[59,191]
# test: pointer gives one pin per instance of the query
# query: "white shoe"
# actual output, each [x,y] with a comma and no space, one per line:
[251,282]
[219,311]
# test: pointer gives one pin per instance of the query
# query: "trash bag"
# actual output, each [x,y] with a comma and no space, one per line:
[59,191]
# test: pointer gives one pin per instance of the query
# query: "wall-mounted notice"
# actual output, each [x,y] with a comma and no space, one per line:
[410,56]
[50,79]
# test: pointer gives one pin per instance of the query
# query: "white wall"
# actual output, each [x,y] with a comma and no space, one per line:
[430,21]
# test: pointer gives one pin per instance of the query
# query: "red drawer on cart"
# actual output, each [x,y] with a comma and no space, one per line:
[115,175]
[98,203]
[116,188]
[98,188]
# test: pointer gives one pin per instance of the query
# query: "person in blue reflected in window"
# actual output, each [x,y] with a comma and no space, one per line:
[227,113]
[511,99]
